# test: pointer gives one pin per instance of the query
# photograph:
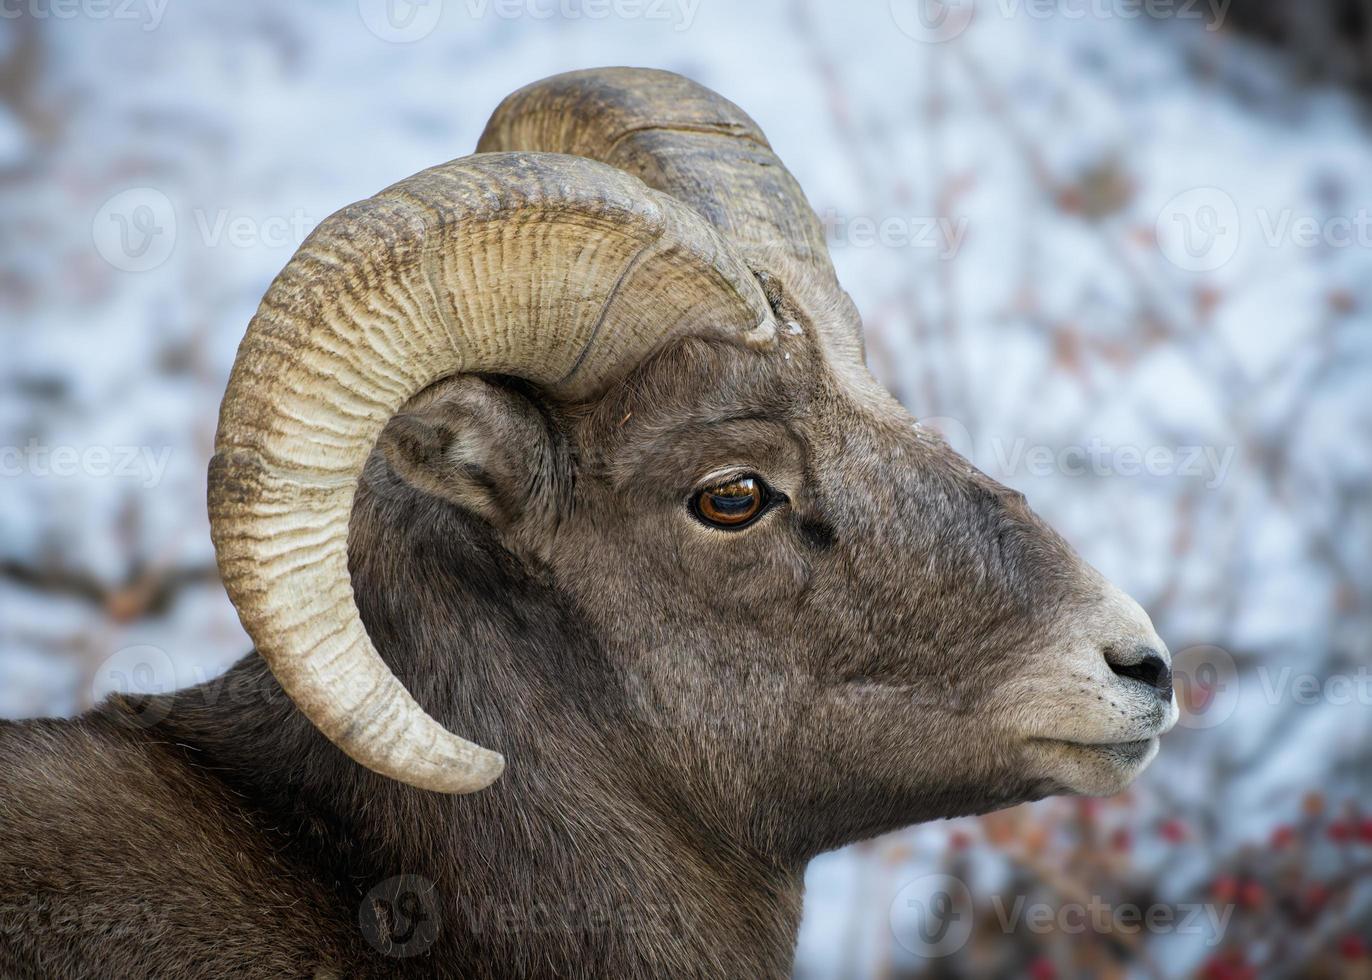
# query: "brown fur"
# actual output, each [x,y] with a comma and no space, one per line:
[688,715]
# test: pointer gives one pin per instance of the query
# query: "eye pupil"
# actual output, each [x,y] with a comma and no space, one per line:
[733,504]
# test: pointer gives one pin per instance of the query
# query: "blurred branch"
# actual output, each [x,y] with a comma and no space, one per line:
[144,593]
[22,71]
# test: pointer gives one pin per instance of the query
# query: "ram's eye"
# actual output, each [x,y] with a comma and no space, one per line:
[732,505]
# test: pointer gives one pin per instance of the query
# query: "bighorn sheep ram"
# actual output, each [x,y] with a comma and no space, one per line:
[567,446]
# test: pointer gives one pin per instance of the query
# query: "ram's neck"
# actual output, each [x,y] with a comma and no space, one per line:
[573,864]
[575,887]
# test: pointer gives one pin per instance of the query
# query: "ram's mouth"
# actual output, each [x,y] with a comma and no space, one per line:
[1093,768]
[1132,751]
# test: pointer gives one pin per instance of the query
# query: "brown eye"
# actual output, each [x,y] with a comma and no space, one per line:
[732,505]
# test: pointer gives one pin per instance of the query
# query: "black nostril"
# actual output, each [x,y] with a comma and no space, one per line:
[1144,665]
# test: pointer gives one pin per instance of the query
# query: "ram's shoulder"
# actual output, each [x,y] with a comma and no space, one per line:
[118,857]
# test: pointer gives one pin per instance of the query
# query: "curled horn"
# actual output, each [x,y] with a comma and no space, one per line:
[683,139]
[552,268]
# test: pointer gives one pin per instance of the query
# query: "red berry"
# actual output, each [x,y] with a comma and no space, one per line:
[1316,894]
[1173,831]
[1252,894]
[1365,830]
[1224,888]
[1226,966]
[959,840]
[1343,301]
[1042,968]
[1071,200]
[1282,836]
[1352,947]
[1340,832]
[1121,839]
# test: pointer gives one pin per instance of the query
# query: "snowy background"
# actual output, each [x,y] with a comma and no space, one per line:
[1120,251]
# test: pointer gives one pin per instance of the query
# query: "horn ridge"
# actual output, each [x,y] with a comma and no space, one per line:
[549,267]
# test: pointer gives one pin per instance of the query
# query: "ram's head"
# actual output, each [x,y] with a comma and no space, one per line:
[615,338]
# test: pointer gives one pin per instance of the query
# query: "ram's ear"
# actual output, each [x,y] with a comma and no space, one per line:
[483,446]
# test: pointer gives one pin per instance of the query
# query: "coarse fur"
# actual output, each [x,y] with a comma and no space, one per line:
[689,715]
